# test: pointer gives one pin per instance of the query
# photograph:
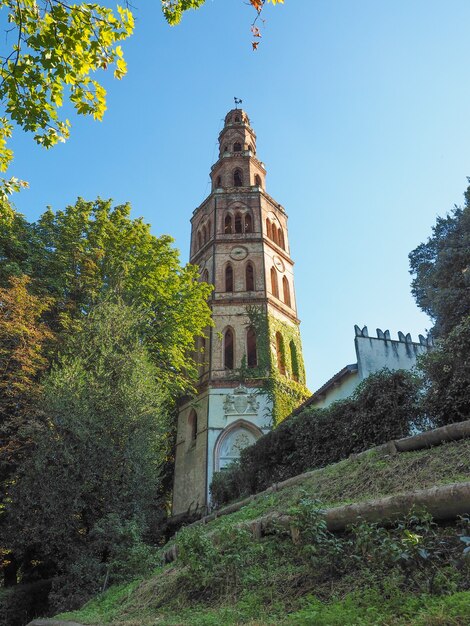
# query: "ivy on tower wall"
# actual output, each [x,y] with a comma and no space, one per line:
[286,390]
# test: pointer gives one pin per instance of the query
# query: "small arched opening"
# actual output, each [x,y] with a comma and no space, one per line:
[274,283]
[229,349]
[257,181]
[238,223]
[237,146]
[192,428]
[229,278]
[280,238]
[286,291]
[205,276]
[248,223]
[219,181]
[228,224]
[250,277]
[251,351]
[237,178]
[268,229]
[294,360]
[280,354]
[199,239]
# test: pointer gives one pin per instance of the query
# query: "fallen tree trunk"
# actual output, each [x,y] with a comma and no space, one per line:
[451,432]
[445,502]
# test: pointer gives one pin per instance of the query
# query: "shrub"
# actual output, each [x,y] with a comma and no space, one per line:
[385,406]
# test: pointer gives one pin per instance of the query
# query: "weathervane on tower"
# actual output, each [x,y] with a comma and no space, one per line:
[237,102]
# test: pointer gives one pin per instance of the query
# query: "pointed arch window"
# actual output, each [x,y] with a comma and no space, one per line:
[209,229]
[268,228]
[274,283]
[228,224]
[281,238]
[228,349]
[257,181]
[199,239]
[237,147]
[238,223]
[192,427]
[237,178]
[219,181]
[280,353]
[251,351]
[204,234]
[229,278]
[205,276]
[274,233]
[250,277]
[248,223]
[286,290]
[294,360]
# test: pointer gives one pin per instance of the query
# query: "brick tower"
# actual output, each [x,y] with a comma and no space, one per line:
[239,241]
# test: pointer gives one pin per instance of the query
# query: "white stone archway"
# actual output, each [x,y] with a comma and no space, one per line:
[232,440]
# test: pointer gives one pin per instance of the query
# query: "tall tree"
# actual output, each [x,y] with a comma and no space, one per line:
[98,456]
[91,249]
[23,339]
[441,269]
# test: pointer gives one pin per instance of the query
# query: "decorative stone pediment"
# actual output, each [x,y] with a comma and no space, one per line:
[241,402]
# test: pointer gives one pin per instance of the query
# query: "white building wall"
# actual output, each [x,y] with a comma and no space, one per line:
[231,411]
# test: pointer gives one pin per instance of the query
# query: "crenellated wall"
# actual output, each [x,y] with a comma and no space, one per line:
[373,354]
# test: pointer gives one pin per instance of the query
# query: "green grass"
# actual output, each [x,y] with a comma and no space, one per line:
[272,581]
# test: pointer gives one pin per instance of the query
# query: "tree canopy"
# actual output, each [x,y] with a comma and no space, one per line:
[54,51]
[441,269]
[78,255]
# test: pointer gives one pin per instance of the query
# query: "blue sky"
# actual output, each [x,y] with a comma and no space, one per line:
[362,115]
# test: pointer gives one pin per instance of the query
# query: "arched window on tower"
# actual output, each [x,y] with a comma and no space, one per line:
[274,233]
[250,277]
[219,181]
[192,428]
[237,120]
[229,278]
[274,284]
[204,234]
[294,360]
[237,178]
[268,228]
[205,276]
[209,229]
[228,349]
[280,238]
[251,352]
[257,181]
[286,290]
[280,353]
[237,147]
[238,223]
[199,239]
[248,223]
[228,224]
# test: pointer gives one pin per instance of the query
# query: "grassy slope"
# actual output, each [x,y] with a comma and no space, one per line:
[274,587]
